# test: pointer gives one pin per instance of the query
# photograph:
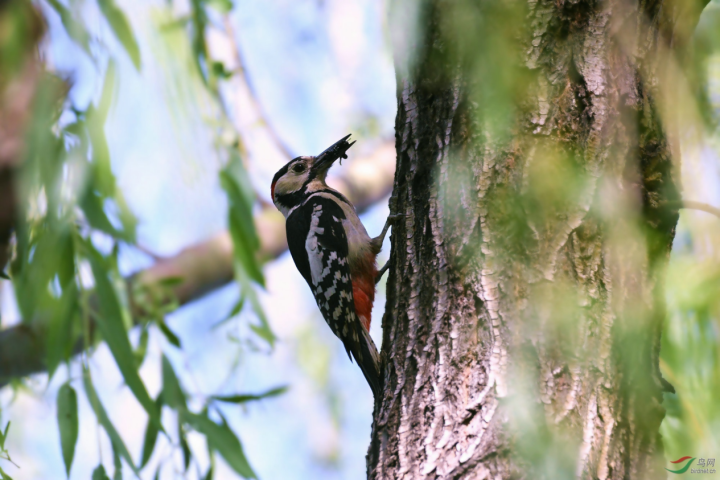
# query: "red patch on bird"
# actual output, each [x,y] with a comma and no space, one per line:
[363,282]
[272,191]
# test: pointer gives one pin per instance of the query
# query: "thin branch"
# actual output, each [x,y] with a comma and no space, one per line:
[242,77]
[203,267]
[693,205]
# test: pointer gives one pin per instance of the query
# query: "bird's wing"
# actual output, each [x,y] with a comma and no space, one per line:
[319,247]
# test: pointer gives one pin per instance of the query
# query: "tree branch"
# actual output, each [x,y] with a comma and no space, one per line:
[693,205]
[206,266]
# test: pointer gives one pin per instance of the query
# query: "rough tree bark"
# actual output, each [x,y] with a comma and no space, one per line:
[505,302]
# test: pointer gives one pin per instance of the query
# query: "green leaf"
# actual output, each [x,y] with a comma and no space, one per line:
[171,281]
[234,311]
[240,220]
[243,398]
[92,205]
[198,22]
[99,473]
[59,337]
[3,436]
[66,252]
[223,440]
[262,330]
[141,349]
[4,476]
[151,434]
[42,264]
[111,326]
[67,417]
[127,218]
[222,6]
[187,454]
[75,29]
[169,334]
[117,464]
[219,70]
[109,88]
[102,416]
[172,393]
[121,27]
[209,474]
[96,115]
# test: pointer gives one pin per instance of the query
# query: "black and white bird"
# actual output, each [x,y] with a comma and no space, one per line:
[332,251]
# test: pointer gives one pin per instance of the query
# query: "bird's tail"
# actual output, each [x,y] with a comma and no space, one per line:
[368,360]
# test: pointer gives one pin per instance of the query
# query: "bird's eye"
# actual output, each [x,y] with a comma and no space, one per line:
[299,168]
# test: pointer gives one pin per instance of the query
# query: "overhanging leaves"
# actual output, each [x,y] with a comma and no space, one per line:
[151,434]
[242,226]
[121,28]
[111,326]
[67,417]
[172,393]
[223,440]
[101,414]
[244,398]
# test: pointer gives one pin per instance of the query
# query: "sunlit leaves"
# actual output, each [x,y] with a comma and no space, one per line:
[172,393]
[234,180]
[186,453]
[169,334]
[244,398]
[67,417]
[75,217]
[73,26]
[223,440]
[151,435]
[240,219]
[102,416]
[112,327]
[117,464]
[220,437]
[4,454]
[121,28]
[99,473]
[223,6]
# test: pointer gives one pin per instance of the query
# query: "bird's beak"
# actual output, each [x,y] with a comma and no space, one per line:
[325,160]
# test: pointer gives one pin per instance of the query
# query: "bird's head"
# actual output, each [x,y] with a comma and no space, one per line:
[304,175]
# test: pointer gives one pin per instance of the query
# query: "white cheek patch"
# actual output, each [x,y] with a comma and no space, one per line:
[290,183]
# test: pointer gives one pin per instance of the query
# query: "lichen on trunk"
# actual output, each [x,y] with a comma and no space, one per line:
[524,302]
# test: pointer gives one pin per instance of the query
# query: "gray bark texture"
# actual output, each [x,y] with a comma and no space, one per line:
[525,298]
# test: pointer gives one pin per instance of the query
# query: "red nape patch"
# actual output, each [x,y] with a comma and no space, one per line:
[272,191]
[364,295]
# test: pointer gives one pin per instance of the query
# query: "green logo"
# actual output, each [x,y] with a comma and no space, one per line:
[685,468]
[704,466]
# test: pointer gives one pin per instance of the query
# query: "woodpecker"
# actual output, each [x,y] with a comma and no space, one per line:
[332,251]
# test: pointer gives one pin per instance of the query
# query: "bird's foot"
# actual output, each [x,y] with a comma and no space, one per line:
[378,241]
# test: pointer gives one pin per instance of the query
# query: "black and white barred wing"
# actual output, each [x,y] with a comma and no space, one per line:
[319,247]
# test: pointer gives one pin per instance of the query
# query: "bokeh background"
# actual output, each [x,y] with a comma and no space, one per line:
[313,71]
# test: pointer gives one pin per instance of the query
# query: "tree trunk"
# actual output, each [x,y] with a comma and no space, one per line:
[524,304]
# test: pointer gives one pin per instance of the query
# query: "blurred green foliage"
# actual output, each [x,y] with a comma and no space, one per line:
[69,200]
